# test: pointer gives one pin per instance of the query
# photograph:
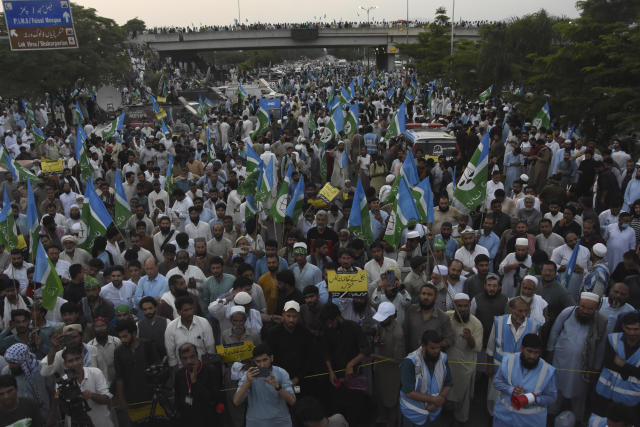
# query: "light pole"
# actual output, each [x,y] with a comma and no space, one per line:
[238,12]
[407,23]
[453,9]
[368,9]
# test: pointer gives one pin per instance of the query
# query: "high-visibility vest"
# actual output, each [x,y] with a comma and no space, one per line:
[505,341]
[415,411]
[611,385]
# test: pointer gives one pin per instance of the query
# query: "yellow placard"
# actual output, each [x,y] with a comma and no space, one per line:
[354,284]
[236,353]
[393,50]
[328,193]
[51,166]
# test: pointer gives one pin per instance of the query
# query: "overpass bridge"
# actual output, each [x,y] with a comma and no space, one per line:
[384,39]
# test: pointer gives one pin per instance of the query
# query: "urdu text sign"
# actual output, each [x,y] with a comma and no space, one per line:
[40,24]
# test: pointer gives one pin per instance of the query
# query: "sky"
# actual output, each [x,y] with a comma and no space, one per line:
[223,12]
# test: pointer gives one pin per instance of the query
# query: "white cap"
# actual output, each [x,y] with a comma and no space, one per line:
[461,297]
[413,235]
[468,230]
[521,241]
[534,279]
[242,298]
[390,178]
[599,250]
[590,296]
[291,305]
[442,270]
[237,309]
[385,310]
[524,177]
[69,238]
[267,147]
[300,245]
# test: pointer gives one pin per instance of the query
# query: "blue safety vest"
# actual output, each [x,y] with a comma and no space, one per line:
[415,411]
[611,385]
[535,382]
[505,341]
[597,421]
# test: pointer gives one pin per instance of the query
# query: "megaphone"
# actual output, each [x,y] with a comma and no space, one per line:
[522,400]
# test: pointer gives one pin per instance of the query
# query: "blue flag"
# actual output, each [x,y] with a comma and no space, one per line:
[391,92]
[566,277]
[409,169]
[164,128]
[294,208]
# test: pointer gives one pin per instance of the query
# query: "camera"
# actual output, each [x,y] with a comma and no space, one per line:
[158,375]
[71,400]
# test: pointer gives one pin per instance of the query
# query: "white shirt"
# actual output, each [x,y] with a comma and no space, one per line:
[552,218]
[181,208]
[221,310]
[548,244]
[508,282]
[517,333]
[491,188]
[67,200]
[199,334]
[468,258]
[95,382]
[62,268]
[192,272]
[538,304]
[107,350]
[375,270]
[562,254]
[520,204]
[20,275]
[201,230]
[606,218]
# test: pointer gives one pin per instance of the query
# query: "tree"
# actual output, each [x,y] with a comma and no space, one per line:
[100,58]
[134,27]
[593,74]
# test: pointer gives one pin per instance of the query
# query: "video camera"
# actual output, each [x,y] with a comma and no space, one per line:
[71,400]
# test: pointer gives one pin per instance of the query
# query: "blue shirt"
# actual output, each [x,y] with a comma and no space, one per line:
[309,275]
[490,243]
[122,296]
[151,288]
[261,266]
[265,407]
[451,246]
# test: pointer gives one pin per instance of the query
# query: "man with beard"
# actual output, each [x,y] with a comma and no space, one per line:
[489,240]
[469,251]
[547,240]
[501,220]
[618,379]
[106,345]
[93,305]
[136,252]
[390,289]
[576,342]
[388,350]
[530,214]
[25,368]
[310,310]
[151,326]
[426,316]
[18,270]
[474,284]
[620,239]
[118,291]
[139,215]
[162,239]
[192,275]
[561,256]
[269,282]
[444,213]
[615,305]
[514,267]
[20,332]
[270,248]
[450,244]
[425,382]
[321,231]
[526,378]
[304,272]
[72,254]
[195,227]
[487,305]
[377,265]
[596,278]
[131,360]
[219,245]
[468,343]
[217,284]
[410,249]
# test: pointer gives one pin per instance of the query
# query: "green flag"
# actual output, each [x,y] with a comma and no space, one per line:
[486,94]
[86,170]
[249,185]
[45,274]
[398,124]
[263,122]
[543,118]
[279,206]
[8,236]
[17,171]
[312,123]
[471,189]
[122,210]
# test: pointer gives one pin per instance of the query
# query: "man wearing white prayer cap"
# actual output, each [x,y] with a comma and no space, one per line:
[576,342]
[596,278]
[469,251]
[561,256]
[537,304]
[468,331]
[514,267]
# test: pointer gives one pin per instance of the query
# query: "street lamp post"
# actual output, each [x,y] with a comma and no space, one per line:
[453,9]
[238,12]
[368,9]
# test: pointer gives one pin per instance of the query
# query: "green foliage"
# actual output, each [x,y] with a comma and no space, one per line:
[99,58]
[134,26]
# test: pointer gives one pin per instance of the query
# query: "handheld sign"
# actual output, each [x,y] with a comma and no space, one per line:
[328,193]
[236,352]
[347,284]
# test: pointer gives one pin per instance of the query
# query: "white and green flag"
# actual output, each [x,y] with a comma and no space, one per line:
[263,119]
[398,124]
[8,236]
[45,274]
[351,120]
[86,170]
[121,210]
[17,171]
[279,207]
[404,211]
[486,94]
[359,219]
[471,189]
[265,183]
[543,118]
[115,126]
[294,209]
[94,215]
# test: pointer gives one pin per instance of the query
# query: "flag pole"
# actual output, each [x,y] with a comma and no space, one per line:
[442,278]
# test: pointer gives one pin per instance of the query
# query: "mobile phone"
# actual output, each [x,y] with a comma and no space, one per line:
[264,372]
[391,276]
[237,250]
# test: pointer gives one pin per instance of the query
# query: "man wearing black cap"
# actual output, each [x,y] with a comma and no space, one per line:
[527,386]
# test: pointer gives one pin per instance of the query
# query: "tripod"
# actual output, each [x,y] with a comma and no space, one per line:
[160,397]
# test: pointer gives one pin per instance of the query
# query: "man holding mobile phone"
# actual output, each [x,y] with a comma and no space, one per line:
[268,389]
[390,289]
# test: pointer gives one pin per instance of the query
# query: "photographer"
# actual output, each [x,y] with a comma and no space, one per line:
[93,387]
[131,360]
[197,390]
[269,391]
[71,337]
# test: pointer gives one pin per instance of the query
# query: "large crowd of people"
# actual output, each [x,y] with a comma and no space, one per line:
[521,311]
